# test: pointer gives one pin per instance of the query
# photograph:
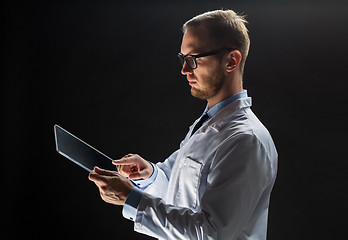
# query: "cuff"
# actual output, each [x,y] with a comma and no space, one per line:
[129,210]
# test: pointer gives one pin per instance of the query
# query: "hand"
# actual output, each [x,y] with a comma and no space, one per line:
[134,167]
[113,187]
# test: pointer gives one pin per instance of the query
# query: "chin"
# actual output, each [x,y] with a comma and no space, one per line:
[199,94]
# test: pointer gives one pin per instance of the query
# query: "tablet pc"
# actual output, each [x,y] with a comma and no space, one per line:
[80,152]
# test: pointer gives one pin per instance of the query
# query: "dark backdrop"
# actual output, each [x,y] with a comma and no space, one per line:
[108,72]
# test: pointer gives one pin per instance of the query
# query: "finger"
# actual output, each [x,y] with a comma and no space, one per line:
[104,172]
[116,162]
[123,169]
[123,161]
[97,179]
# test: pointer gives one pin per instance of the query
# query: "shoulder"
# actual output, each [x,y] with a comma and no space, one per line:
[243,125]
[244,134]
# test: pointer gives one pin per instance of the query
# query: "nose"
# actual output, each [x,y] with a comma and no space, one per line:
[186,69]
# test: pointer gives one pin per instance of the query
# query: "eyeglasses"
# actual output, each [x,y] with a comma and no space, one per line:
[191,59]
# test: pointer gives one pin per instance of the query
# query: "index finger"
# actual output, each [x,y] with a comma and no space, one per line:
[123,161]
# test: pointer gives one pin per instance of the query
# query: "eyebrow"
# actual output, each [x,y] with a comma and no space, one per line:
[192,52]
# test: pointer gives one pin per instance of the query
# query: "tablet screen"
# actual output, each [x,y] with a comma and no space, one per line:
[80,152]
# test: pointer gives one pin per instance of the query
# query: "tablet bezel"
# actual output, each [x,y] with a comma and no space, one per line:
[59,150]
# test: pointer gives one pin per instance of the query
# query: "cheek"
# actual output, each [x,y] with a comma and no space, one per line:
[205,70]
[202,76]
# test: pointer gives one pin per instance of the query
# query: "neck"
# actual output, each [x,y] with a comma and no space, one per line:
[229,89]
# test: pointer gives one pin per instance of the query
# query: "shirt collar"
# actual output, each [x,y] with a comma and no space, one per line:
[217,107]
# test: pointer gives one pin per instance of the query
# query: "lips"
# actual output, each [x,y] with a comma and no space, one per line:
[191,82]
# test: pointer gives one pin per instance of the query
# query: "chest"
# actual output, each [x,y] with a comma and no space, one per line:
[188,179]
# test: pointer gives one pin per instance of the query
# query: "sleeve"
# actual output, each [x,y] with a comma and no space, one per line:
[237,179]
[143,184]
[129,210]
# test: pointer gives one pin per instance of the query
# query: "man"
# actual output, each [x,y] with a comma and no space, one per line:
[218,184]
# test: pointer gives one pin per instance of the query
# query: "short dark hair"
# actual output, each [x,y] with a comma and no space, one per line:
[226,28]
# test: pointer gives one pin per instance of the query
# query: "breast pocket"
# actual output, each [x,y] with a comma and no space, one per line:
[190,175]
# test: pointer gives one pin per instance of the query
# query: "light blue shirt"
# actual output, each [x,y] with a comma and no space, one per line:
[130,207]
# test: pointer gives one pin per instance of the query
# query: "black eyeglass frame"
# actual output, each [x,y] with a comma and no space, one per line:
[182,57]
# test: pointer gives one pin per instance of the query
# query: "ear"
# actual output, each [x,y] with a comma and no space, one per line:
[233,59]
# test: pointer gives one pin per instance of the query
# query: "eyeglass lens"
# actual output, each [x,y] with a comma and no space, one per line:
[190,61]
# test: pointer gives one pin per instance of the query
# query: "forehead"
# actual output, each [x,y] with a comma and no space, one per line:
[195,41]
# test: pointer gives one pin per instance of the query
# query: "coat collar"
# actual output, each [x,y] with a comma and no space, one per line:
[227,113]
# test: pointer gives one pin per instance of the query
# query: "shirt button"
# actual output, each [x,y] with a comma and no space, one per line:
[138,225]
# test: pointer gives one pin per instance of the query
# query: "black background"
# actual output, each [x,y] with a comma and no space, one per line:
[108,72]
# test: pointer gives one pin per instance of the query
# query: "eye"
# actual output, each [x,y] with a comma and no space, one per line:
[190,61]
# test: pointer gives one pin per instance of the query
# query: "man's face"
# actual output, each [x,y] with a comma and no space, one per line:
[208,78]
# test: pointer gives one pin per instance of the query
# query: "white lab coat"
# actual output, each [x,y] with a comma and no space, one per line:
[217,185]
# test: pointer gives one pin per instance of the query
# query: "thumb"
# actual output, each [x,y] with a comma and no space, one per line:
[138,175]
[100,171]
